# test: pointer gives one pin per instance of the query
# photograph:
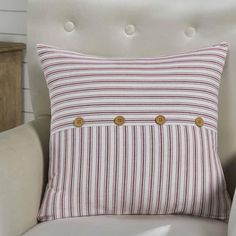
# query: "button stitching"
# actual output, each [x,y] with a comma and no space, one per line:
[160,120]
[119,120]
[78,122]
[199,122]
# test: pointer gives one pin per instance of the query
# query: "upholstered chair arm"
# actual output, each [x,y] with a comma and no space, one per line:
[23,153]
[232,219]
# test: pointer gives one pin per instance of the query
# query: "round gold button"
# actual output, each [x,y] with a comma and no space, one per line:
[119,120]
[78,122]
[199,121]
[160,120]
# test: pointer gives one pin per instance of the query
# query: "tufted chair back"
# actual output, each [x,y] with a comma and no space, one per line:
[126,28]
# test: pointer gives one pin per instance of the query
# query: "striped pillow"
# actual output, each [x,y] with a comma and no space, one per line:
[134,136]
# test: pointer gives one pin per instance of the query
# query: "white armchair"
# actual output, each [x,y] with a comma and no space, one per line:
[112,28]
[23,170]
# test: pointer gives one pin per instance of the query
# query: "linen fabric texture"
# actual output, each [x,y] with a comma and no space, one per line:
[140,165]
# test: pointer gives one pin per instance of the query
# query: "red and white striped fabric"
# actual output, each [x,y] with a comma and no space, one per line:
[140,167]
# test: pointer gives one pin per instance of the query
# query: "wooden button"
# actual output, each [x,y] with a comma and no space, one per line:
[199,121]
[119,120]
[160,120]
[78,122]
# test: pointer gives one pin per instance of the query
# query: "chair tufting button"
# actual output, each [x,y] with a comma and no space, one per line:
[199,121]
[78,122]
[69,26]
[119,120]
[160,120]
[130,29]
[190,32]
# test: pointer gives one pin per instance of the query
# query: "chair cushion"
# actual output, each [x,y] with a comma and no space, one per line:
[130,225]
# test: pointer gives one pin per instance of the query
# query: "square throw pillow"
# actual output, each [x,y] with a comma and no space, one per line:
[134,135]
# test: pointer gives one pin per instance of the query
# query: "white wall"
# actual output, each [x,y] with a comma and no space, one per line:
[13,17]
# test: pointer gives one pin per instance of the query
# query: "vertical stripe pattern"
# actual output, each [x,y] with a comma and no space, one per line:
[140,167]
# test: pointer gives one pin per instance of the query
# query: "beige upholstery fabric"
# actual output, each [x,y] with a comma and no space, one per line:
[232,220]
[22,152]
[130,226]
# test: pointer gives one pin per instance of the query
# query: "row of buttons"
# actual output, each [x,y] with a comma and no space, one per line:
[129,29]
[120,120]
